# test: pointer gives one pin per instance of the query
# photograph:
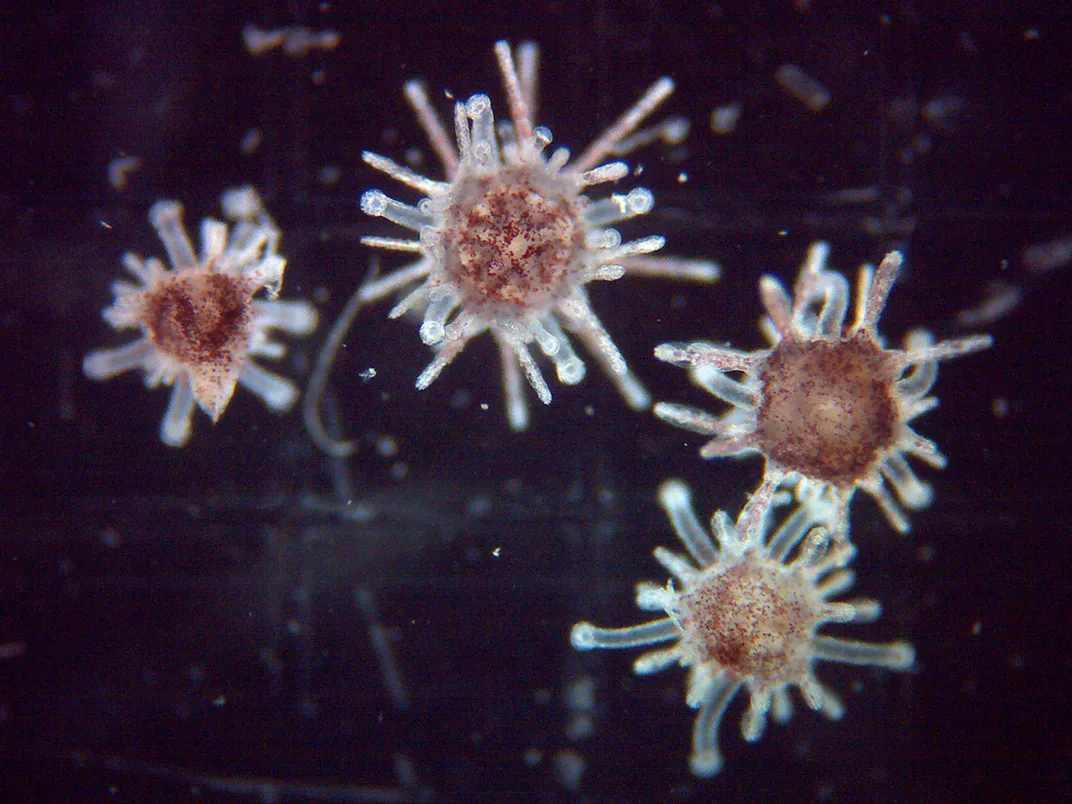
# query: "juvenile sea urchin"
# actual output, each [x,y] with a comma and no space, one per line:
[827,406]
[509,240]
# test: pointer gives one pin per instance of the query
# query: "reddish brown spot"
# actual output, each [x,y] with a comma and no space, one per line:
[201,319]
[511,240]
[828,409]
[753,620]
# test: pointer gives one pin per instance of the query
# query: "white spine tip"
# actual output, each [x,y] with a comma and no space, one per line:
[902,656]
[374,203]
[241,203]
[95,366]
[571,372]
[705,764]
[432,332]
[164,210]
[819,252]
[674,494]
[541,135]
[639,201]
[477,105]
[582,636]
[664,86]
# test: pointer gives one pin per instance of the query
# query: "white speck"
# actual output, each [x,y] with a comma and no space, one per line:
[803,87]
[1047,256]
[329,175]
[724,118]
[251,141]
[119,170]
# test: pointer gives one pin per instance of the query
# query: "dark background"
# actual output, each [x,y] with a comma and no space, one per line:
[196,623]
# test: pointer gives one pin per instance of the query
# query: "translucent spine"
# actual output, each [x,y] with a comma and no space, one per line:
[827,405]
[508,241]
[744,610]
[199,322]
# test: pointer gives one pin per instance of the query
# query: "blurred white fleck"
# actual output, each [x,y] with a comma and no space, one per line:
[329,175]
[942,112]
[1047,256]
[251,141]
[569,769]
[119,170]
[802,86]
[853,195]
[9,650]
[110,538]
[1001,299]
[478,507]
[580,695]
[724,118]
[294,41]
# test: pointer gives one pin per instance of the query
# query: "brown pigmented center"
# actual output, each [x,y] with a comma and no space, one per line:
[511,241]
[828,409]
[202,320]
[754,620]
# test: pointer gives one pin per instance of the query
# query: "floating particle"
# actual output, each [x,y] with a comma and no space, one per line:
[294,41]
[569,769]
[119,171]
[745,611]
[1001,299]
[941,112]
[724,118]
[802,86]
[387,446]
[329,175]
[259,42]
[853,195]
[1043,257]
